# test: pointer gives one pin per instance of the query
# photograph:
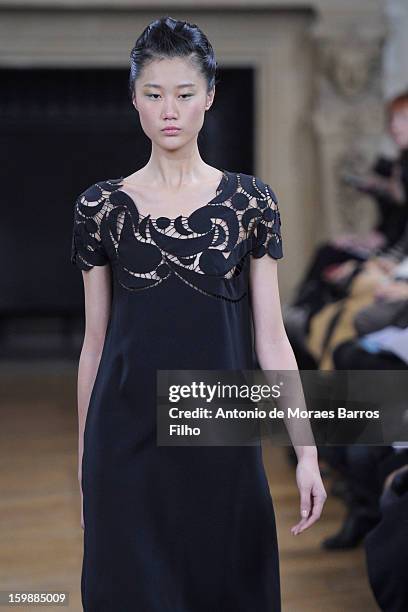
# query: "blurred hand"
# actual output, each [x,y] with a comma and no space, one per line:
[346,241]
[381,263]
[368,242]
[393,291]
[374,181]
[392,186]
[373,240]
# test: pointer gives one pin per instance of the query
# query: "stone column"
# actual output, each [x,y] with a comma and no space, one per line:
[348,114]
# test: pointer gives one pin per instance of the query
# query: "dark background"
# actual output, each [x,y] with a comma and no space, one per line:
[60,131]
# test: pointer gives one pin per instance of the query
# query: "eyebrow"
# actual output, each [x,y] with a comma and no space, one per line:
[159,86]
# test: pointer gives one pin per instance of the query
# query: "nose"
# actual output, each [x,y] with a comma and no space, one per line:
[169,109]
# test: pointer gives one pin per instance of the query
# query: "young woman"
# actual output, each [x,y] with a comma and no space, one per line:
[173,263]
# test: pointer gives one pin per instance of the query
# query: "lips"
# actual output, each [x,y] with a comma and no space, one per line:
[171,131]
[171,128]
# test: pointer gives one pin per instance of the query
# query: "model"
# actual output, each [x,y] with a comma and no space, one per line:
[174,267]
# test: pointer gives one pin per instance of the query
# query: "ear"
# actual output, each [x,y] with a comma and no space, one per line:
[134,101]
[210,99]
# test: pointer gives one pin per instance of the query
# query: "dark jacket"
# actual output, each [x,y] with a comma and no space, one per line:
[393,216]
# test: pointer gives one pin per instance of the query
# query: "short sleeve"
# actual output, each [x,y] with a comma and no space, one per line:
[87,249]
[267,233]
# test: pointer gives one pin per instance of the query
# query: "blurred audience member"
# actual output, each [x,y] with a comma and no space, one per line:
[336,263]
[386,545]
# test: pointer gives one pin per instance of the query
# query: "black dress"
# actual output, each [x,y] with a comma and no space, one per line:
[173,528]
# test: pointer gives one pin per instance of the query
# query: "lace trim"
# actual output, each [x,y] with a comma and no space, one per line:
[210,246]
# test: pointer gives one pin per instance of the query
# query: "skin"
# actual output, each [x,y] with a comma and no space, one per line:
[175,173]
[398,127]
[392,291]
[175,168]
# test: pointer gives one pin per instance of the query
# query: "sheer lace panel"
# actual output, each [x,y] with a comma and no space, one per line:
[208,250]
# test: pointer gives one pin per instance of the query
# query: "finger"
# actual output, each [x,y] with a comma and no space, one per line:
[315,515]
[298,527]
[305,501]
[318,503]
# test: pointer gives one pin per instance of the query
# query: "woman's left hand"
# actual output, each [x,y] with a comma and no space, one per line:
[312,493]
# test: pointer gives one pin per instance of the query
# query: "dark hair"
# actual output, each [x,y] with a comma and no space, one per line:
[167,37]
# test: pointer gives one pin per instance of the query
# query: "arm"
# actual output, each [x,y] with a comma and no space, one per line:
[88,253]
[386,180]
[97,290]
[274,352]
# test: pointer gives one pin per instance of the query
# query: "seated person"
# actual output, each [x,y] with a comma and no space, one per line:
[336,261]
[372,288]
[386,545]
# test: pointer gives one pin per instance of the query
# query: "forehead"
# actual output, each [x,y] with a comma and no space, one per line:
[171,72]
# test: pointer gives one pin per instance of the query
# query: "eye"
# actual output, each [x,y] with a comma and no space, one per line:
[184,96]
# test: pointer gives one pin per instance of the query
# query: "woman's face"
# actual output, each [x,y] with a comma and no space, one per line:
[399,127]
[171,92]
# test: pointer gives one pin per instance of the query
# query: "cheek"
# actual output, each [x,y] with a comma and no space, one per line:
[145,110]
[401,125]
[195,112]
[147,115]
[404,127]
